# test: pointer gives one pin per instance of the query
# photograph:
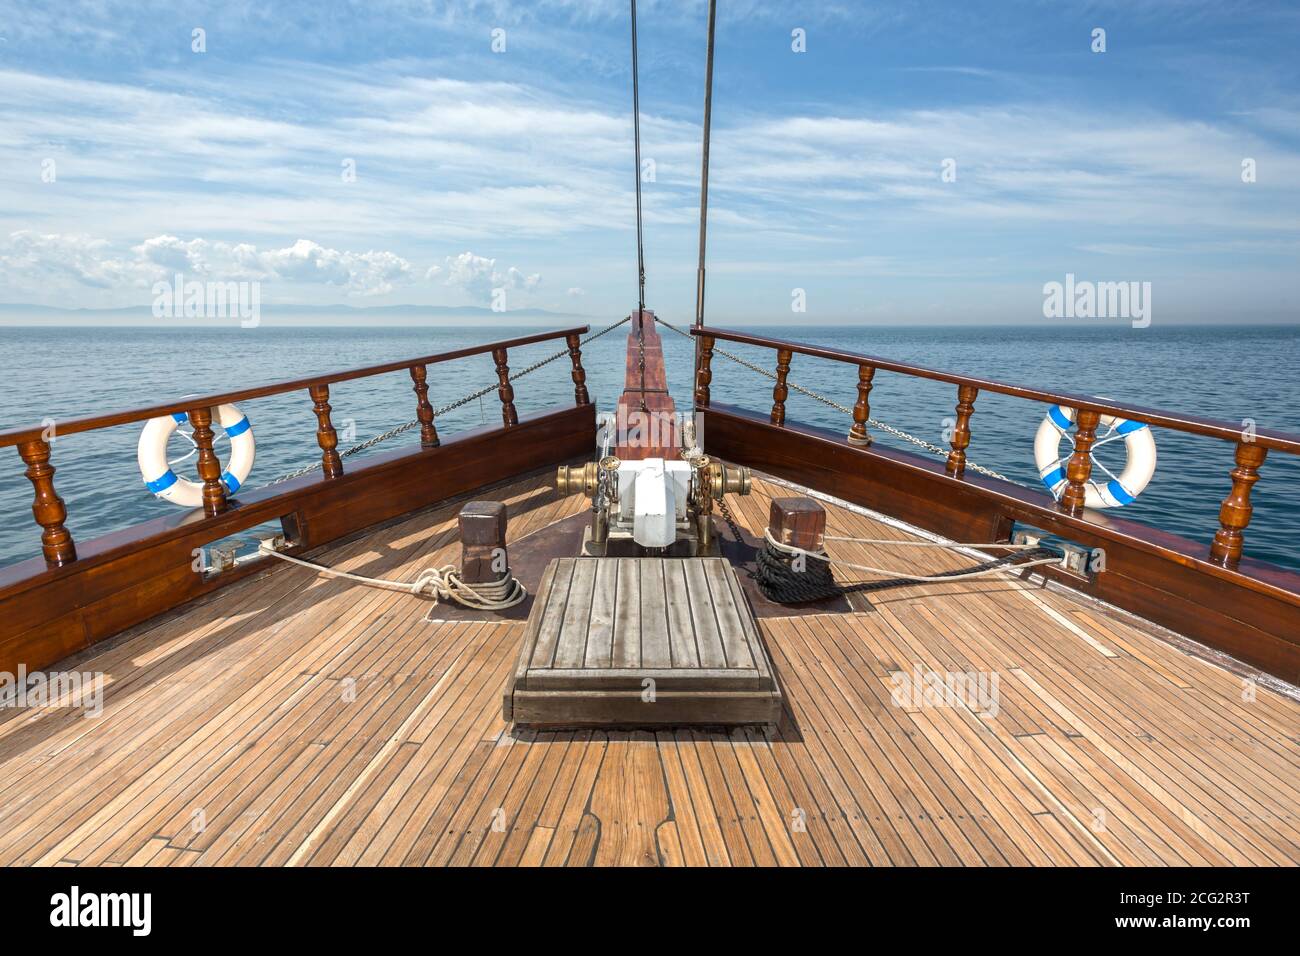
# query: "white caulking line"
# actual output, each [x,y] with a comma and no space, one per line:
[376,762]
[1202,652]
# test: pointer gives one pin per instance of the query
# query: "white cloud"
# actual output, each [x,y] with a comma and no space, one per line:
[539,171]
[364,273]
[174,254]
[479,276]
[81,258]
[30,257]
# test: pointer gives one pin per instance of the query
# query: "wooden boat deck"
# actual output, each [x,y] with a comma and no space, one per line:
[291,719]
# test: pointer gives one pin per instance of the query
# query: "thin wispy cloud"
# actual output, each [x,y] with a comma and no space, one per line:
[369,164]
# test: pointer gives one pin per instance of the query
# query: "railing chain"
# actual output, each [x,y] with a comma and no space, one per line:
[451,406]
[896,432]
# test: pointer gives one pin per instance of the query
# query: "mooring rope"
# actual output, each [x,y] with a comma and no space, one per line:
[896,542]
[441,584]
[782,581]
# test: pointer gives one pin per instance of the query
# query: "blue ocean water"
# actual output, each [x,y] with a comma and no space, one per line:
[1229,372]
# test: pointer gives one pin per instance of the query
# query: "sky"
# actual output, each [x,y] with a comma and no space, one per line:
[875,163]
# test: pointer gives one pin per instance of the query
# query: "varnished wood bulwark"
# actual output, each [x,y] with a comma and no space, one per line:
[71,598]
[1251,612]
[319,722]
[639,642]
[130,576]
[1156,569]
[33,443]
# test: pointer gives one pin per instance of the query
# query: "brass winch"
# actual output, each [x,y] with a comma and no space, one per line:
[654,505]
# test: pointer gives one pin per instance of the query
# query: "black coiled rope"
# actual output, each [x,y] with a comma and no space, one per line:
[782,584]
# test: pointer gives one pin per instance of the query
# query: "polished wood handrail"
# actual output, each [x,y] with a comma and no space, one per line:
[1193,424]
[90,423]
[133,574]
[50,512]
[1252,445]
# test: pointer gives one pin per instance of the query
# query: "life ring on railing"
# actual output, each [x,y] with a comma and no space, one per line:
[1117,492]
[157,472]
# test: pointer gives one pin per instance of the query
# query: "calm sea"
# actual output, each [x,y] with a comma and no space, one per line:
[1230,372]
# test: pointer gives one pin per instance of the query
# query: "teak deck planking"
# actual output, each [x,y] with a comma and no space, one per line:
[293,720]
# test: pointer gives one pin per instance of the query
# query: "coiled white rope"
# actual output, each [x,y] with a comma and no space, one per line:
[822,556]
[441,584]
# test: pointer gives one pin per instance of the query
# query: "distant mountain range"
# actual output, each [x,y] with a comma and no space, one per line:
[17,314]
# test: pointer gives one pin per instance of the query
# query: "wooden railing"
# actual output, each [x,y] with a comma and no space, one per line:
[33,443]
[1234,513]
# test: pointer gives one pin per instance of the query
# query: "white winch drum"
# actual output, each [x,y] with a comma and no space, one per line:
[158,476]
[1114,493]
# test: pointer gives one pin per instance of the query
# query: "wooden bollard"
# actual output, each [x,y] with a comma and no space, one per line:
[798,522]
[483,556]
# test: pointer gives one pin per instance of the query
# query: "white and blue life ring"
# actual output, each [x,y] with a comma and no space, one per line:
[166,484]
[1121,489]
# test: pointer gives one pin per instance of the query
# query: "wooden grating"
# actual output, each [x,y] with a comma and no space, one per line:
[628,642]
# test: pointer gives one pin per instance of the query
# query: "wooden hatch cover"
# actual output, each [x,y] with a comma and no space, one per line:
[638,642]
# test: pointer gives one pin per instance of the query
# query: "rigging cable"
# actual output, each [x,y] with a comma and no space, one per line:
[636,139]
[640,243]
[704,180]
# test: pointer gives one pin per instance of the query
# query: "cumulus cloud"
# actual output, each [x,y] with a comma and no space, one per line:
[364,273]
[93,262]
[576,293]
[83,258]
[479,275]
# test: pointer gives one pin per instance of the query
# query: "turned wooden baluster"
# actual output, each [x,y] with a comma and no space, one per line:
[1079,468]
[579,373]
[209,467]
[704,374]
[326,436]
[956,465]
[505,389]
[47,506]
[862,408]
[1234,513]
[780,391]
[423,410]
